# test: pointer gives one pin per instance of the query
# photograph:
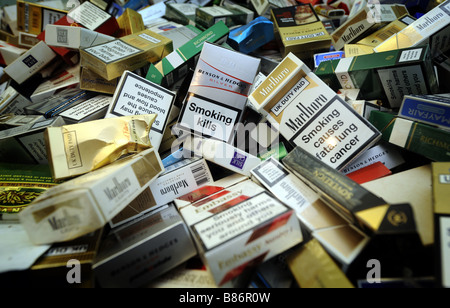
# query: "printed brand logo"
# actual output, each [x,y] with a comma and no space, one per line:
[30,61]
[64,222]
[174,187]
[238,160]
[62,36]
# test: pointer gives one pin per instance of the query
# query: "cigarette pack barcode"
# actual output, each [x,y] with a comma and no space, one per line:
[200,174]
[388,32]
[117,188]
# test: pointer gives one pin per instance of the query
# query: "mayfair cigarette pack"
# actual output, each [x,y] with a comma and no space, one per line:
[424,139]
[144,249]
[311,115]
[218,92]
[176,65]
[79,148]
[33,17]
[237,216]
[299,30]
[441,185]
[136,95]
[223,154]
[86,203]
[74,37]
[420,31]
[366,21]
[130,52]
[30,62]
[25,143]
[429,109]
[21,184]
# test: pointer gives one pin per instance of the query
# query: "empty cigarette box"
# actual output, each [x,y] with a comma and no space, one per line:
[420,31]
[74,37]
[366,21]
[130,52]
[208,189]
[311,115]
[137,253]
[299,30]
[218,93]
[246,217]
[86,203]
[205,17]
[223,154]
[30,62]
[76,149]
[358,205]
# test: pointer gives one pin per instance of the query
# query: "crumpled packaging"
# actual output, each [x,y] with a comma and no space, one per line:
[76,149]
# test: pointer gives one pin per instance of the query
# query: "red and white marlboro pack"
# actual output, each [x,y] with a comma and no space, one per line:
[247,218]
[208,190]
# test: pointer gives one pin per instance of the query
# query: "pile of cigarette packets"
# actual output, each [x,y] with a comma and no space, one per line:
[225,144]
